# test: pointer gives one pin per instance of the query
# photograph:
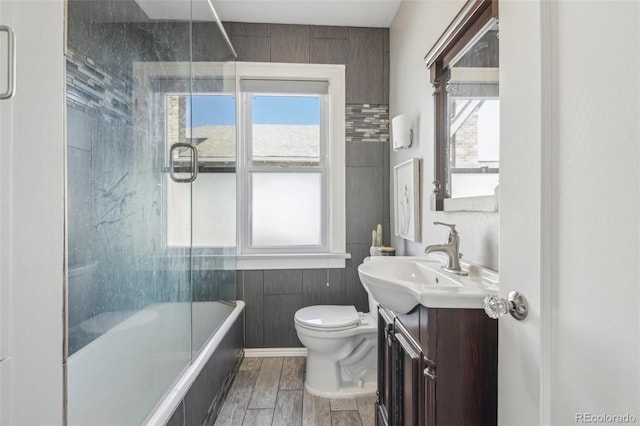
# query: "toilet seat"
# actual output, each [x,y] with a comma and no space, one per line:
[327,317]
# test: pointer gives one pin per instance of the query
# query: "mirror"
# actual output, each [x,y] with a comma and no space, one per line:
[464,72]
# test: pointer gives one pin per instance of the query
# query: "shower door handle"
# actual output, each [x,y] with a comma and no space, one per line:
[194,156]
[11,62]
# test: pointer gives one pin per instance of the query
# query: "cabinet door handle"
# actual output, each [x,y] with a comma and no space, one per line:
[388,334]
[430,368]
[430,372]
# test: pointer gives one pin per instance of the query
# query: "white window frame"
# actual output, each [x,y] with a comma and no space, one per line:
[332,254]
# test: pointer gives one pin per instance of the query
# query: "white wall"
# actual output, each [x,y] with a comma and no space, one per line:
[416,27]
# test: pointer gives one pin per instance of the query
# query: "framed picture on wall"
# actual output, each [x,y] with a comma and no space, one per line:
[407,199]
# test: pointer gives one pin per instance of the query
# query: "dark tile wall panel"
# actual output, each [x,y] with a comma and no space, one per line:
[290,43]
[362,50]
[253,285]
[365,154]
[386,188]
[283,281]
[205,396]
[209,44]
[279,329]
[249,29]
[365,70]
[364,202]
[387,66]
[323,287]
[199,397]
[251,48]
[355,294]
[327,31]
[177,418]
[329,51]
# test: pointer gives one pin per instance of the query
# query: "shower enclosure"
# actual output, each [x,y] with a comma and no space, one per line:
[150,199]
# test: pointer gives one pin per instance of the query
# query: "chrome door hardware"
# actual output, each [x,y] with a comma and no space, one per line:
[194,156]
[11,62]
[515,304]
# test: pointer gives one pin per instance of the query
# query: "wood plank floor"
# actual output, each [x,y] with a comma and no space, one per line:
[270,392]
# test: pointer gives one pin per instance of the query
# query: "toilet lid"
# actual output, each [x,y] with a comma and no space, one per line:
[328,317]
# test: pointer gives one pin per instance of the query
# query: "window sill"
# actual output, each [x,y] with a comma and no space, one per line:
[291,261]
[486,203]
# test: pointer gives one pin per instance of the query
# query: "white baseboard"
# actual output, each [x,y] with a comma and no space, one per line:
[274,352]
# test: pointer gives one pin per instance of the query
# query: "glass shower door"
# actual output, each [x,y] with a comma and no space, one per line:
[131,324]
[213,195]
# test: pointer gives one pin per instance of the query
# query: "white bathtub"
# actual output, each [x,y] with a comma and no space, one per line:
[139,370]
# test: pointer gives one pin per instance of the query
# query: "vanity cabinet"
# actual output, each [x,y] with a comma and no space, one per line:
[437,367]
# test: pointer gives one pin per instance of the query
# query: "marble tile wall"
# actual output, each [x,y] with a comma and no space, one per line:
[115,182]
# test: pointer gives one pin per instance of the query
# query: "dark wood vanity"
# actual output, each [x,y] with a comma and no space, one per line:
[437,366]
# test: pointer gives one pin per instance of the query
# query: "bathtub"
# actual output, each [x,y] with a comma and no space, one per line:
[139,370]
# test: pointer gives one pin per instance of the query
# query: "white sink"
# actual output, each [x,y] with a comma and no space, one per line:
[400,283]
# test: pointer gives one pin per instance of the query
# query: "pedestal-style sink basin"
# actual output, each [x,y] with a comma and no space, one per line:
[400,283]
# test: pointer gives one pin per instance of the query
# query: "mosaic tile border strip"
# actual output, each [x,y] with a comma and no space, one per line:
[93,90]
[367,123]
[90,89]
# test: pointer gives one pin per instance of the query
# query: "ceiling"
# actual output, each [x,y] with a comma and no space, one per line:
[354,13]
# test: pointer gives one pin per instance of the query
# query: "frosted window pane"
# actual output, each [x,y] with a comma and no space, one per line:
[286,129]
[214,211]
[178,214]
[286,209]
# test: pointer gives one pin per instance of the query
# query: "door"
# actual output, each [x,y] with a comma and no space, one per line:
[408,360]
[569,213]
[32,215]
[149,277]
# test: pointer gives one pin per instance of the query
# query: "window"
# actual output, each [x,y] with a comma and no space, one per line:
[271,155]
[285,137]
[291,165]
[207,206]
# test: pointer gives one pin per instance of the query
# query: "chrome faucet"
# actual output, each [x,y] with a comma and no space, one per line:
[451,249]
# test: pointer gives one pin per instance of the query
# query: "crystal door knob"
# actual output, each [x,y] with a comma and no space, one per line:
[495,307]
[515,304]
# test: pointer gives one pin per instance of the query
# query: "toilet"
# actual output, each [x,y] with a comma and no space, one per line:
[341,349]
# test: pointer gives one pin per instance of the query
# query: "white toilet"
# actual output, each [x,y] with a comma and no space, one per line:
[341,344]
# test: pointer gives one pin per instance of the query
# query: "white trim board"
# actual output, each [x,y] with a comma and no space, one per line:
[273,352]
